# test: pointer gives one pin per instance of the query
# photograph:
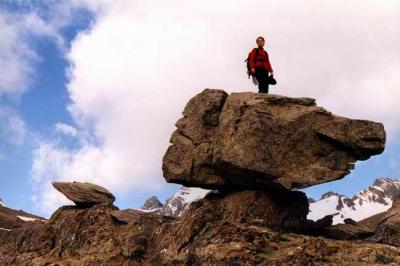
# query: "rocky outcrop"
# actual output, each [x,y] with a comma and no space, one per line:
[205,235]
[283,210]
[85,194]
[388,228]
[252,149]
[373,221]
[253,141]
[211,235]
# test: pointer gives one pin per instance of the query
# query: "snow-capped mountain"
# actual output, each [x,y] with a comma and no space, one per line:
[177,204]
[368,202]
[376,199]
[2,203]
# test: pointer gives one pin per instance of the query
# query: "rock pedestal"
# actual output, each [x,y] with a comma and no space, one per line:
[282,210]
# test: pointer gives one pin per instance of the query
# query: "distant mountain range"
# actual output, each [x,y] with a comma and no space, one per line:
[177,204]
[368,202]
[373,200]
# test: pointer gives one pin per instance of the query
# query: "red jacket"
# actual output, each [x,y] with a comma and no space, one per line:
[262,59]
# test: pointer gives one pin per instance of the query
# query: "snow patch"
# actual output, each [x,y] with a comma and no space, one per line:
[180,201]
[2,203]
[150,210]
[26,219]
[190,194]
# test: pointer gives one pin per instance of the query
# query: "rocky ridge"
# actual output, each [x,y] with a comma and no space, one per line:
[388,227]
[252,217]
[11,219]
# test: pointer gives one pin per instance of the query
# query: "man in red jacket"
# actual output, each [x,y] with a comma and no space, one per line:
[260,67]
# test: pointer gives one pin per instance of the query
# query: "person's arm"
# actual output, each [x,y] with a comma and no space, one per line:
[268,65]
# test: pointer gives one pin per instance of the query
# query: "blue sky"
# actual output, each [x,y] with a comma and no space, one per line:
[96,86]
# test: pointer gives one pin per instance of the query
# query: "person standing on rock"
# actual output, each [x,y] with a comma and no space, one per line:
[260,67]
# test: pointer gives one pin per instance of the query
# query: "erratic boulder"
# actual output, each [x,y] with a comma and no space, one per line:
[85,194]
[264,141]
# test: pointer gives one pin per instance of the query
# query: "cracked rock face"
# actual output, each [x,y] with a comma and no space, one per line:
[264,141]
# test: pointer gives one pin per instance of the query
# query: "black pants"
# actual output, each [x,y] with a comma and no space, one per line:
[262,79]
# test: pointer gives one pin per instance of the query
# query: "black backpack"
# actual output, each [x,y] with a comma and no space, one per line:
[248,62]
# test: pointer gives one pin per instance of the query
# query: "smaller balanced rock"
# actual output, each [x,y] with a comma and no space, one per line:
[85,194]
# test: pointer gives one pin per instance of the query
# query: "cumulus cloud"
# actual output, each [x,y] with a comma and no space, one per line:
[17,30]
[16,58]
[132,73]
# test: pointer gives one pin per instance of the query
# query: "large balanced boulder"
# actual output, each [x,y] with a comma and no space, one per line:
[264,141]
[85,194]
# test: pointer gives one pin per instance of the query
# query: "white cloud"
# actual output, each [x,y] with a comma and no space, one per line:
[48,162]
[16,58]
[132,73]
[65,129]
[12,127]
[17,30]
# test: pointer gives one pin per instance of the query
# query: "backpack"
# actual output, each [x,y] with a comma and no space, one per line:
[248,62]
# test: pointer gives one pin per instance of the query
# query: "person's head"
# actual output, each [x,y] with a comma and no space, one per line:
[260,41]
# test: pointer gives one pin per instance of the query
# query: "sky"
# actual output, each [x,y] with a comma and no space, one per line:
[90,90]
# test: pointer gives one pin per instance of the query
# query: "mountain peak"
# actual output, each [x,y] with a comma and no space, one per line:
[177,204]
[329,194]
[152,203]
[385,182]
